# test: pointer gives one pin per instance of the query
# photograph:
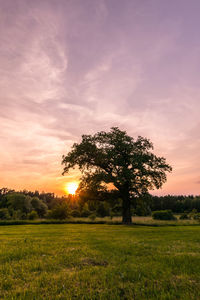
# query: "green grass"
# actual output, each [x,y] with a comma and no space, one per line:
[84,261]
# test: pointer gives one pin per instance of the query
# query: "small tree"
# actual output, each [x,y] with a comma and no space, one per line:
[163,215]
[115,158]
[39,206]
[19,201]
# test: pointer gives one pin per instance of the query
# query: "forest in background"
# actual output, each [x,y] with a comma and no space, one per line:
[22,205]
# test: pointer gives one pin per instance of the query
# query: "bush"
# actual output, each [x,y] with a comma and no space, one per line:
[193,213]
[33,215]
[4,214]
[75,213]
[184,216]
[85,213]
[196,217]
[92,217]
[163,215]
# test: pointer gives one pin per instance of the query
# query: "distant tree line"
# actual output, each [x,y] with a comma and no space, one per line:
[90,203]
[178,204]
[25,204]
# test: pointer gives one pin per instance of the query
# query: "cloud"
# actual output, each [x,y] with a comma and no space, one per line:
[68,69]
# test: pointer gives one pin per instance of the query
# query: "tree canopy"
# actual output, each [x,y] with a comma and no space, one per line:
[116,158]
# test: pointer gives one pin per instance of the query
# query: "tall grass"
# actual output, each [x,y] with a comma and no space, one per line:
[145,221]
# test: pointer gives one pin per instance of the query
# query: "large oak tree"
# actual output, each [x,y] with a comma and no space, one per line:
[116,158]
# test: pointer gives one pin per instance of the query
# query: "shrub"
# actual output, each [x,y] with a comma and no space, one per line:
[85,213]
[4,214]
[196,217]
[184,216]
[163,215]
[76,213]
[92,217]
[193,213]
[33,215]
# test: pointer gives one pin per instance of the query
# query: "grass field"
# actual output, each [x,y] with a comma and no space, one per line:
[84,261]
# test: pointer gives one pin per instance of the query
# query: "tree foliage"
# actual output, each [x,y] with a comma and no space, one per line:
[115,158]
[60,211]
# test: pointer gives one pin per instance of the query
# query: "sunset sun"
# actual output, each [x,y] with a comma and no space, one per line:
[71,187]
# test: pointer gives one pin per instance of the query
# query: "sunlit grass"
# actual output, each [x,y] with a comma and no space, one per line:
[71,261]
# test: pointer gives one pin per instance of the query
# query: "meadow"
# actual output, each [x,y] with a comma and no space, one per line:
[99,261]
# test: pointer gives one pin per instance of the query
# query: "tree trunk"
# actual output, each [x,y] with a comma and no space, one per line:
[126,208]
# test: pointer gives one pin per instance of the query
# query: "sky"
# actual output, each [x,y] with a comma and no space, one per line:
[73,67]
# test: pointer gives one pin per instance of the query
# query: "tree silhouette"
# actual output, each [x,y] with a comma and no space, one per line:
[115,158]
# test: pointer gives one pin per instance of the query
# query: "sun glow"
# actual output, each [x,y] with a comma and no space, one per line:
[71,187]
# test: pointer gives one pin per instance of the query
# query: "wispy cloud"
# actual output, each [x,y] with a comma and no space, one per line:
[68,69]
